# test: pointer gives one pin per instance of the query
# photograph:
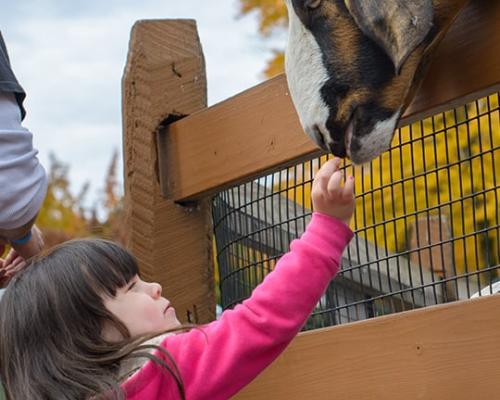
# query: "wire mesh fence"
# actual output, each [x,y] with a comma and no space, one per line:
[426,222]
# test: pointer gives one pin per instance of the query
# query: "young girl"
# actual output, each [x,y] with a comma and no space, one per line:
[72,318]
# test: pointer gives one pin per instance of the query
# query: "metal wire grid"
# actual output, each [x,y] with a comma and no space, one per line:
[426,223]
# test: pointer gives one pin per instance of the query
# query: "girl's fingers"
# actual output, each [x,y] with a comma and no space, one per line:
[325,172]
[348,192]
[334,184]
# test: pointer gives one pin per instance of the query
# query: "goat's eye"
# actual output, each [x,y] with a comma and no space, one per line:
[312,4]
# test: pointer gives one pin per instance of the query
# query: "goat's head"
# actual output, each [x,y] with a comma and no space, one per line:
[353,67]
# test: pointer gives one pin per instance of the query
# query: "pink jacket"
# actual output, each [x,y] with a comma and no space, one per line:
[218,360]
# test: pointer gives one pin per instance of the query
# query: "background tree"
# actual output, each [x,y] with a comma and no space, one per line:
[273,18]
[65,216]
[112,227]
[62,215]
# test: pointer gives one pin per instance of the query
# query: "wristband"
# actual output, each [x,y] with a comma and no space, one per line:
[25,239]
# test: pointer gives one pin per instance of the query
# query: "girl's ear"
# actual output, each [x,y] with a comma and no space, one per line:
[110,333]
[398,26]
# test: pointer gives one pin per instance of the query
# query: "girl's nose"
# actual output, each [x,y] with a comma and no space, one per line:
[155,290]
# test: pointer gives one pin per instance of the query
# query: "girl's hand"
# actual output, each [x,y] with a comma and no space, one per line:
[329,196]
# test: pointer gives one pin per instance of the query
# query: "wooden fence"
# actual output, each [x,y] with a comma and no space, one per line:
[178,152]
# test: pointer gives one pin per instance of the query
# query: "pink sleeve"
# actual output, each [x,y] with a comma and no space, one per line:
[218,359]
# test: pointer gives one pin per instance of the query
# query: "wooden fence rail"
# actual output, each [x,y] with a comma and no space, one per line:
[445,352]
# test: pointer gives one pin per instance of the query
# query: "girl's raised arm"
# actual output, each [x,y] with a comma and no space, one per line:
[219,359]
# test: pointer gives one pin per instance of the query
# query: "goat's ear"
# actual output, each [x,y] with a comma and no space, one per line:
[398,26]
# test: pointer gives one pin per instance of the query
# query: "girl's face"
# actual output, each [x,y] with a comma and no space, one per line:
[141,308]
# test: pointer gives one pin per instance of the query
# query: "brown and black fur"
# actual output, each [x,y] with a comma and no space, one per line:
[364,83]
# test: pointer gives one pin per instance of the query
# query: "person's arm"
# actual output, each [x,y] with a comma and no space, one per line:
[22,179]
[216,361]
[26,241]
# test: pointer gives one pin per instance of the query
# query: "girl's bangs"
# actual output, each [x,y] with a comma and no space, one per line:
[107,266]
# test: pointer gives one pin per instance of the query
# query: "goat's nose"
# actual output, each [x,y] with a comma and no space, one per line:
[337,148]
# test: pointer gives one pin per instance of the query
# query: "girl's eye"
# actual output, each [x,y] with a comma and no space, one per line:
[131,286]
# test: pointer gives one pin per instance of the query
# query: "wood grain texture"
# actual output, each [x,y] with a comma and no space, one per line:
[437,353]
[165,75]
[258,130]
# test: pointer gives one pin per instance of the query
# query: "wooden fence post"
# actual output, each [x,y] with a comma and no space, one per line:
[165,78]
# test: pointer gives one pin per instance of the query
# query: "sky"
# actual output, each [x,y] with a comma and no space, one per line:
[69,57]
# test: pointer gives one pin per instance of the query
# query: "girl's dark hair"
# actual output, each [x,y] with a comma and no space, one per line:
[51,320]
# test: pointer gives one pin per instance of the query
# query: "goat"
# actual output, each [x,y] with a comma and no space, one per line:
[353,66]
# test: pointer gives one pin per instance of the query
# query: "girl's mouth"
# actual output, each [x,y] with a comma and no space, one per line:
[167,308]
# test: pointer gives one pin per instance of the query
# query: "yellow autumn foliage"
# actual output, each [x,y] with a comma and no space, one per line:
[272,15]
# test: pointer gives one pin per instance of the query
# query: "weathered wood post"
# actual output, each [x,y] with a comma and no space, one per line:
[165,78]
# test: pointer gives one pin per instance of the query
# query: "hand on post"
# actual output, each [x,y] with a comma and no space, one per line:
[17,257]
[9,266]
